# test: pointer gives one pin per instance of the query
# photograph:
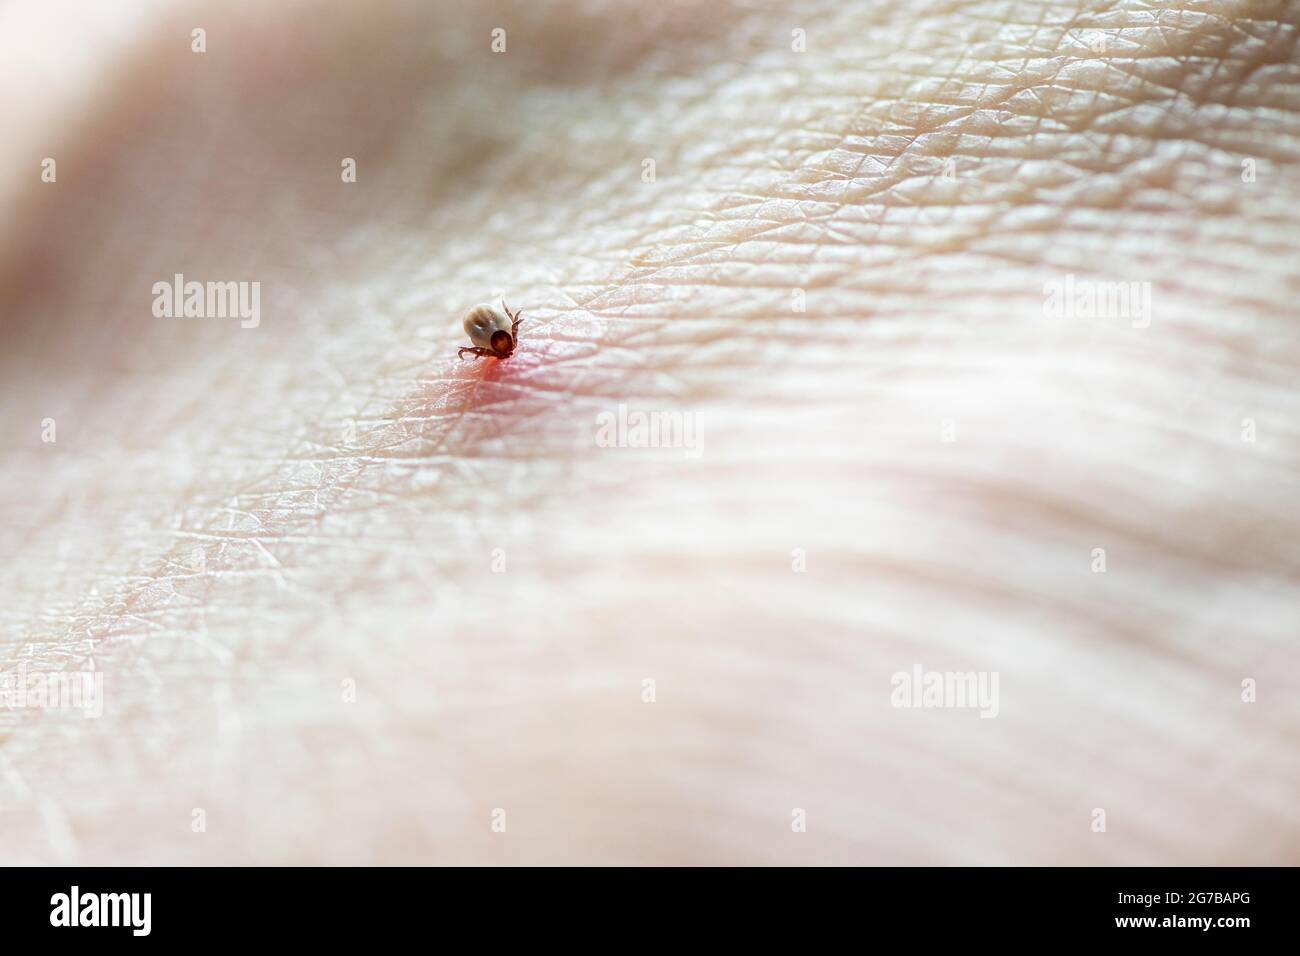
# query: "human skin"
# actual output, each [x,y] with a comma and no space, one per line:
[245,528]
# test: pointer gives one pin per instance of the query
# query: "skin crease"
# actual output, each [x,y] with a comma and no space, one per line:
[235,523]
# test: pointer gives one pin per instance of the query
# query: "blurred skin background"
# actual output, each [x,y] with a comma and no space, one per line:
[352,597]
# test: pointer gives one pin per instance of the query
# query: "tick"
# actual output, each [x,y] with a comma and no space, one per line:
[493,331]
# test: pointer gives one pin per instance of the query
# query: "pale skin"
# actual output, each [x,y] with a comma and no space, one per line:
[352,596]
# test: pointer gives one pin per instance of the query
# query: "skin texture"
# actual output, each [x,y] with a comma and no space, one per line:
[234,523]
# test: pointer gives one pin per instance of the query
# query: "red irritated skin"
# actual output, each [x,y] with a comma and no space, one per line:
[862,337]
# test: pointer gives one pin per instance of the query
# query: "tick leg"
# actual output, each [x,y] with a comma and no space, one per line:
[514,329]
[474,350]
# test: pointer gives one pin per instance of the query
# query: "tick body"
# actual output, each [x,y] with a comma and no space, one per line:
[494,332]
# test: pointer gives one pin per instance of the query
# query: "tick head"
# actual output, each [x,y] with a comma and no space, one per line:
[502,343]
